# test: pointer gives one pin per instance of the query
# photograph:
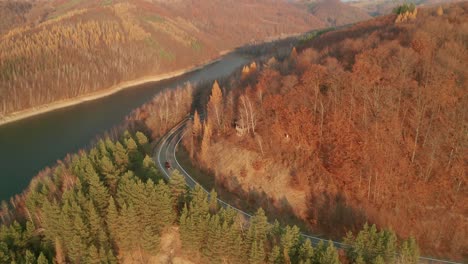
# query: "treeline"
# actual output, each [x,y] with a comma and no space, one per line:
[360,125]
[110,205]
[163,112]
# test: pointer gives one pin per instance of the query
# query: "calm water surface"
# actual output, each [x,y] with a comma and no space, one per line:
[29,145]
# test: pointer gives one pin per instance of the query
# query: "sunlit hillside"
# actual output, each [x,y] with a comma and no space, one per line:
[54,50]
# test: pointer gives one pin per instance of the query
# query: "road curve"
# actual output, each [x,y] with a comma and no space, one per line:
[166,151]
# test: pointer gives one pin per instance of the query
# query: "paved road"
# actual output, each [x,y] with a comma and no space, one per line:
[166,151]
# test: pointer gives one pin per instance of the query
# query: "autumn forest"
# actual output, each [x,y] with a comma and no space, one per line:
[352,148]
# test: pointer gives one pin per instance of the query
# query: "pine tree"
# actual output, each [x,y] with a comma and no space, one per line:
[135,156]
[257,253]
[150,240]
[306,252]
[389,243]
[149,169]
[109,171]
[178,187]
[93,220]
[290,240]
[93,255]
[275,256]
[214,205]
[4,253]
[164,204]
[378,260]
[199,206]
[213,245]
[121,157]
[29,257]
[185,228]
[330,255]
[409,251]
[258,226]
[42,259]
[142,141]
[103,255]
[97,191]
[360,260]
[112,219]
[111,257]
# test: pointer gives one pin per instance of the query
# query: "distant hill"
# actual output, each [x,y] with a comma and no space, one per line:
[61,49]
[383,7]
[336,13]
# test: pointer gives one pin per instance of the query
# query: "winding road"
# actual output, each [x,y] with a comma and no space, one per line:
[166,151]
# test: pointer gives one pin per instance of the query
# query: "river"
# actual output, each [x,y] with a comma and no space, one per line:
[29,145]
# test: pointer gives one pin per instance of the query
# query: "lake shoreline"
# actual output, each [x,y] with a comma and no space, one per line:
[30,112]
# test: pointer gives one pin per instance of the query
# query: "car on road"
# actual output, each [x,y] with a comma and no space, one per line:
[167,165]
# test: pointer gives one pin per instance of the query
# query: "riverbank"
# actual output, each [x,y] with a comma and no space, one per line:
[30,112]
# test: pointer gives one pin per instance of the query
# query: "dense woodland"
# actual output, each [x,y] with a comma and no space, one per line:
[365,124]
[55,50]
[110,204]
[371,128]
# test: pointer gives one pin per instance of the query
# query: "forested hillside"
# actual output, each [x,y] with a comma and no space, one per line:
[110,204]
[335,13]
[55,50]
[366,124]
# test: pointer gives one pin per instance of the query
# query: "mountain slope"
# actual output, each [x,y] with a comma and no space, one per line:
[336,13]
[65,49]
[364,124]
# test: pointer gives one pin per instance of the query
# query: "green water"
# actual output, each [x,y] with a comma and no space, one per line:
[32,144]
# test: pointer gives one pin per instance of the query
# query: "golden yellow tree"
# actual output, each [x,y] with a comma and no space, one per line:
[207,132]
[197,126]
[215,105]
[440,11]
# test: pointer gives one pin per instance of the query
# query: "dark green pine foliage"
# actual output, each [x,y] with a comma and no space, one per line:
[179,189]
[371,243]
[306,252]
[291,241]
[194,220]
[257,252]
[135,156]
[213,247]
[109,171]
[275,256]
[326,254]
[29,257]
[92,256]
[42,259]
[121,158]
[150,240]
[257,234]
[409,252]
[149,169]
[143,142]
[214,205]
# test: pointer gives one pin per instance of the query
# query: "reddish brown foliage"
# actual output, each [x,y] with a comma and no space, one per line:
[372,127]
